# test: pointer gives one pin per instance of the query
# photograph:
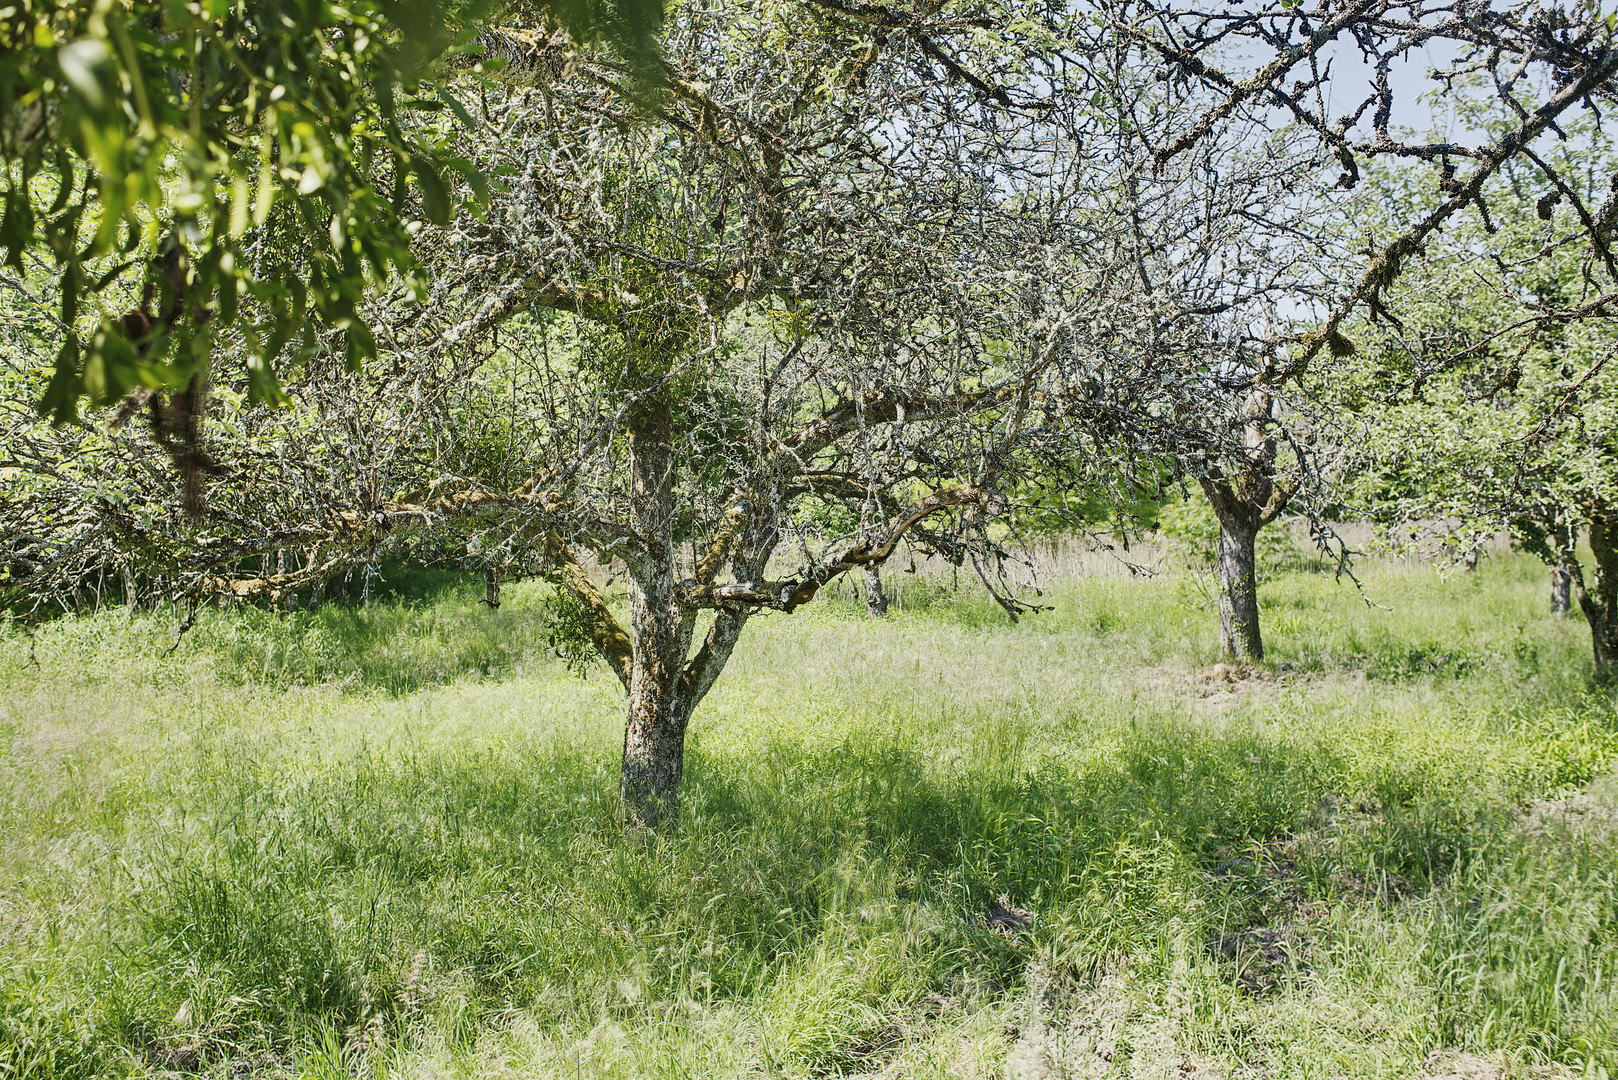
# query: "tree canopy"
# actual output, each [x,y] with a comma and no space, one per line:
[826,295]
[1487,407]
[157,155]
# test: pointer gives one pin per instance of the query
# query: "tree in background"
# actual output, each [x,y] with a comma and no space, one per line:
[1524,71]
[1488,406]
[1224,241]
[1245,496]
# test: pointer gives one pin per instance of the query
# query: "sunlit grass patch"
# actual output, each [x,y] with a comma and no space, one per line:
[386,840]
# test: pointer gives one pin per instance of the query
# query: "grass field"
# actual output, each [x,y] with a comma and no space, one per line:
[384,841]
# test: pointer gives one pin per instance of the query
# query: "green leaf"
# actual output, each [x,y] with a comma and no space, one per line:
[474,178]
[61,400]
[110,276]
[457,108]
[81,63]
[16,229]
[359,344]
[262,384]
[64,181]
[434,193]
[386,107]
[228,286]
[70,294]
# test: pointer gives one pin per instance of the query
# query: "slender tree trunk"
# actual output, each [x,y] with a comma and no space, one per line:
[1561,589]
[876,600]
[1239,638]
[660,698]
[1240,518]
[1600,606]
[283,565]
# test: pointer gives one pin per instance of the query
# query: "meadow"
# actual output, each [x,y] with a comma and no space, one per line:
[385,841]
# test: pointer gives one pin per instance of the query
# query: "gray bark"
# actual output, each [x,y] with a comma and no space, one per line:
[665,682]
[1244,502]
[283,565]
[876,599]
[1239,638]
[1600,606]
[1561,589]
[660,697]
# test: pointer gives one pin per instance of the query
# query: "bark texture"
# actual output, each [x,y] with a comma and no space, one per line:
[876,598]
[1245,499]
[1239,637]
[660,634]
[664,669]
[1600,605]
[1561,589]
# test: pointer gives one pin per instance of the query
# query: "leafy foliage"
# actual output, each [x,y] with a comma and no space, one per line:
[157,142]
[1488,407]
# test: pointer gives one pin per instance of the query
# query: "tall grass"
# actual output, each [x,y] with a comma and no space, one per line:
[385,840]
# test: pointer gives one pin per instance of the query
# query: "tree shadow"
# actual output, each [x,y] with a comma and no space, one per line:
[332,892]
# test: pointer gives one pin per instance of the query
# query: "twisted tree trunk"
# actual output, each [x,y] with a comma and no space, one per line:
[1244,502]
[665,680]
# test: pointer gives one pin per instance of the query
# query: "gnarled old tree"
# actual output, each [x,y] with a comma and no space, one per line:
[1220,241]
[1266,456]
[1243,490]
[1522,71]
[833,293]
[843,287]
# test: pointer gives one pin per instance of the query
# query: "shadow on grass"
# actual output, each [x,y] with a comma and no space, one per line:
[824,888]
[334,894]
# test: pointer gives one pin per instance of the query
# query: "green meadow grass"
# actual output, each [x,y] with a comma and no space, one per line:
[384,841]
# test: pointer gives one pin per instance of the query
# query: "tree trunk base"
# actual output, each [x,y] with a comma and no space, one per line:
[1239,638]
[654,758]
